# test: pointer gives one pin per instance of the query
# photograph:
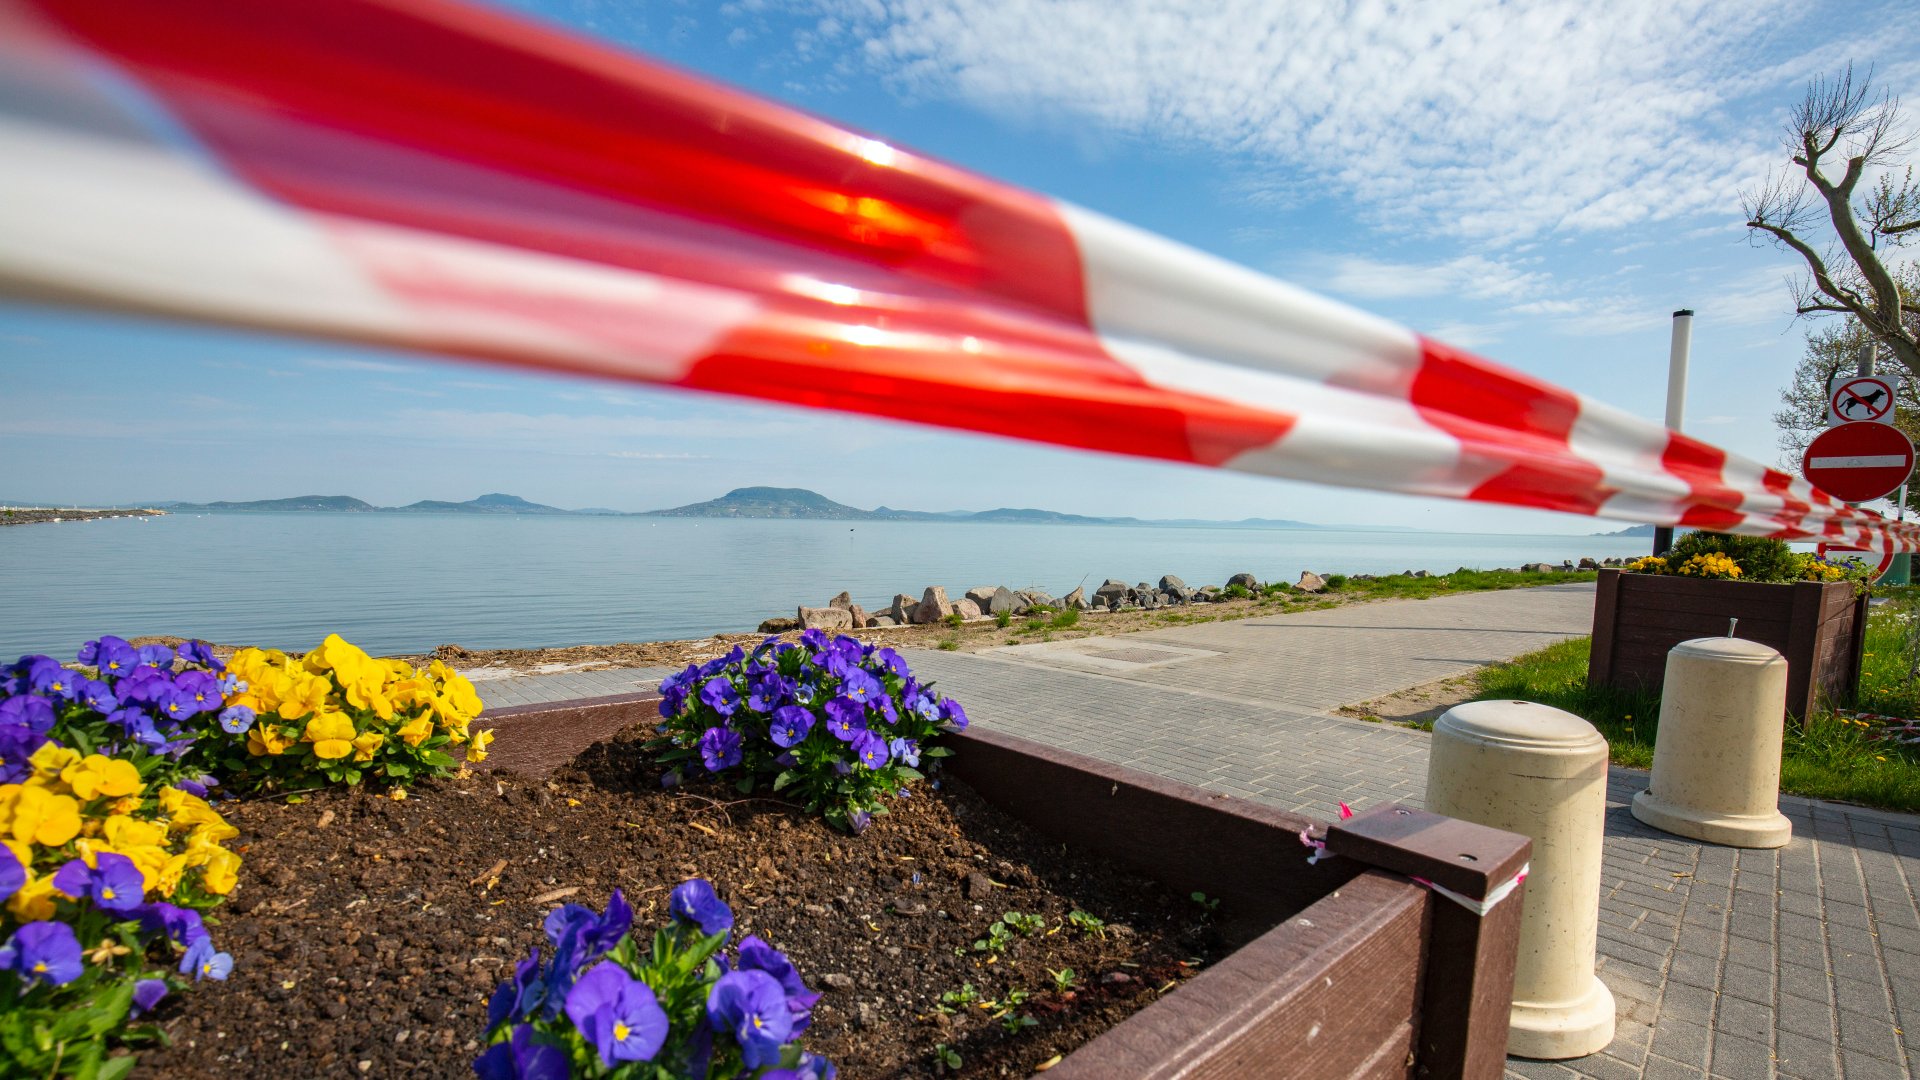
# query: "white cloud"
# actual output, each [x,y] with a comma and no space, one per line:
[1473,276]
[1470,118]
[346,363]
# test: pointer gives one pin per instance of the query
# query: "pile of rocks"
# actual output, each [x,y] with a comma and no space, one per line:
[989,601]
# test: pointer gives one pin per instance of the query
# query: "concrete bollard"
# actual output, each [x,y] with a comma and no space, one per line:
[1540,772]
[1716,755]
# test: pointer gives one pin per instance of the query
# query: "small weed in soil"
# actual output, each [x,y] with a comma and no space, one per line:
[368,933]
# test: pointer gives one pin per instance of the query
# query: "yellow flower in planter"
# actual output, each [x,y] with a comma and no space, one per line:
[305,694]
[221,873]
[477,749]
[265,739]
[331,734]
[35,815]
[34,902]
[416,731]
[367,745]
[96,775]
[51,760]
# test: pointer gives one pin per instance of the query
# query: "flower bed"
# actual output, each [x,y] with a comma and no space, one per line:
[372,930]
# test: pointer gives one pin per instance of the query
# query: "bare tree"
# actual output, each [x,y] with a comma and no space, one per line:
[1842,124]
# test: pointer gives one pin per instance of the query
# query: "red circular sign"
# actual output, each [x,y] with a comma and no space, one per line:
[1858,462]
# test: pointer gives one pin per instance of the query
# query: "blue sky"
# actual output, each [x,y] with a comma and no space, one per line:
[1540,182]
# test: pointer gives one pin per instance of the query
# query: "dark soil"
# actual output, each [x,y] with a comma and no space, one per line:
[368,933]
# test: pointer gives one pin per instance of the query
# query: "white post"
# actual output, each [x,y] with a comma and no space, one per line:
[1677,367]
[1676,399]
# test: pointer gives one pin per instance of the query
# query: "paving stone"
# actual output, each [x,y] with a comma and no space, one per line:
[1802,1055]
[1733,1056]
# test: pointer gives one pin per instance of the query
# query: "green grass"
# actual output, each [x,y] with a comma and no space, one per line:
[1830,758]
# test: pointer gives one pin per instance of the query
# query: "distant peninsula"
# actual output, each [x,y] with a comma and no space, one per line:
[747,502]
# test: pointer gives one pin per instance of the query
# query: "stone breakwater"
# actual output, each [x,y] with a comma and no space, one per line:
[987,602]
[12,515]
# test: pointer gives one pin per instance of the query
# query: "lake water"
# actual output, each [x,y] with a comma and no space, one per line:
[410,582]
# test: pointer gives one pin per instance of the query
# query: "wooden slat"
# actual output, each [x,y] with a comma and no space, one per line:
[1605,609]
[1328,994]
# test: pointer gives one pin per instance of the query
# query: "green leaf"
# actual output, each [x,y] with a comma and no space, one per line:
[906,773]
[744,785]
[936,752]
[785,778]
[437,760]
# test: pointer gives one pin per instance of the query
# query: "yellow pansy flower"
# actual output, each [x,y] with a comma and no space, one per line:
[331,734]
[34,902]
[477,749]
[305,695]
[265,739]
[96,775]
[367,745]
[51,760]
[221,873]
[38,816]
[416,731]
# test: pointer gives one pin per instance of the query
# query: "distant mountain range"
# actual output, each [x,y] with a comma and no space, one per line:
[1637,530]
[747,502]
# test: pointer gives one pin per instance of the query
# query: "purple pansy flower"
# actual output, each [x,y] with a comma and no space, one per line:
[158,657]
[618,1014]
[13,876]
[813,640]
[146,994]
[517,997]
[42,952]
[17,744]
[860,686]
[791,724]
[113,883]
[96,695]
[752,1007]
[236,719]
[811,1067]
[113,656]
[757,955]
[694,901]
[202,962]
[858,821]
[523,1058]
[765,695]
[581,936]
[720,696]
[30,711]
[905,751]
[953,715]
[871,749]
[199,652]
[846,720]
[182,926]
[720,748]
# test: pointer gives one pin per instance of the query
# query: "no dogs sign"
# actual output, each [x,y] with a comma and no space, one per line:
[1853,399]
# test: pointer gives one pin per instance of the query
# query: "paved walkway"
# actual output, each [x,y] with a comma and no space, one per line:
[1802,962]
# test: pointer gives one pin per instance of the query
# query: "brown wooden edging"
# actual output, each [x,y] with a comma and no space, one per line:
[1350,969]
[1820,627]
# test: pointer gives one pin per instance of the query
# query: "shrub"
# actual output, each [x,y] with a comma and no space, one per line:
[1237,592]
[1064,619]
[108,852]
[1003,618]
[342,716]
[1335,581]
[1759,558]
[834,723]
[603,1001]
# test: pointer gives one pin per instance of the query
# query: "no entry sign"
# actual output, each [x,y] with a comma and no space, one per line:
[1859,462]
[1836,553]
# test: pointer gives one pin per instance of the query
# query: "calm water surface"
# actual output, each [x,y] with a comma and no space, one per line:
[409,582]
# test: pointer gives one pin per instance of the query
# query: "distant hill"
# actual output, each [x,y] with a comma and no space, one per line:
[485,504]
[334,504]
[1637,530]
[769,502]
[747,502]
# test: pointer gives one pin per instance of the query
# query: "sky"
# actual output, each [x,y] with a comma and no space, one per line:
[1542,183]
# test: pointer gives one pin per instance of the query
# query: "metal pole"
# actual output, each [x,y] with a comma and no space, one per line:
[1676,399]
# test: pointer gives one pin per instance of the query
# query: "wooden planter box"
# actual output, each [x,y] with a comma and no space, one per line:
[1350,968]
[1820,627]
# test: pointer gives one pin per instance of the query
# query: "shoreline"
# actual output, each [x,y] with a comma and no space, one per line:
[43,515]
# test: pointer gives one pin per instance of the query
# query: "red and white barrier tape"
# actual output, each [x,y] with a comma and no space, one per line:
[451,179]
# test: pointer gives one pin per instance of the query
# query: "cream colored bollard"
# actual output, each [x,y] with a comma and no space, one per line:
[1535,770]
[1716,754]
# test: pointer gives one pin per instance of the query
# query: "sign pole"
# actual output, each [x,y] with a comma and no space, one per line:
[1676,400]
